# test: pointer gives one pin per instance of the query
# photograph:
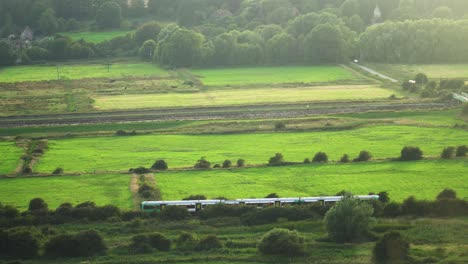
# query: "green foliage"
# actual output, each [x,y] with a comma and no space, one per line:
[174,213]
[278,159]
[146,243]
[272,195]
[37,204]
[392,209]
[411,153]
[109,15]
[195,197]
[186,241]
[48,22]
[320,157]
[210,242]
[159,242]
[461,151]
[421,79]
[20,243]
[7,56]
[363,156]
[159,165]
[448,153]
[84,244]
[227,164]
[349,220]
[384,197]
[324,44]
[447,194]
[146,50]
[202,164]
[147,31]
[180,48]
[282,242]
[240,163]
[344,158]
[391,248]
[58,171]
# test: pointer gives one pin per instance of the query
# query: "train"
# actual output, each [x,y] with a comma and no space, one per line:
[197,205]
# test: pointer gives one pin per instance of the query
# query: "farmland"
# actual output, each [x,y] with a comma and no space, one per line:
[96,36]
[274,75]
[423,179]
[10,155]
[122,153]
[77,71]
[101,189]
[433,71]
[242,96]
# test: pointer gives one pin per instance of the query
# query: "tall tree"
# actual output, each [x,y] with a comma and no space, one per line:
[109,15]
[48,22]
[325,44]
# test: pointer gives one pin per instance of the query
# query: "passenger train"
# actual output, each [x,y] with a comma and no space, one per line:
[197,205]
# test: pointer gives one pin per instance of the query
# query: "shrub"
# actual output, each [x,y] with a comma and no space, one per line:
[421,78]
[159,242]
[141,244]
[217,166]
[461,151]
[384,197]
[105,212]
[306,161]
[448,153]
[281,242]
[174,213]
[278,159]
[451,207]
[411,206]
[411,153]
[391,248]
[344,158]
[209,243]
[8,212]
[37,204]
[363,156]
[202,164]
[159,165]
[349,220]
[21,243]
[240,163]
[57,171]
[186,241]
[84,244]
[227,164]
[447,194]
[64,209]
[195,197]
[272,195]
[392,210]
[320,157]
[87,204]
[140,170]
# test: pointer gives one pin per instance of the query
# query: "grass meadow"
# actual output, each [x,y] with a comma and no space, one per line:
[423,179]
[95,36]
[77,71]
[242,96]
[9,157]
[273,75]
[101,189]
[433,71]
[121,153]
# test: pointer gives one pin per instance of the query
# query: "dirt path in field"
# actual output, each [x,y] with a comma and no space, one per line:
[302,109]
[373,72]
[135,186]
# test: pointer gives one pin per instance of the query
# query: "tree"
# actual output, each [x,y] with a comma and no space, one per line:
[37,204]
[137,8]
[159,165]
[182,48]
[384,197]
[7,56]
[276,160]
[391,248]
[227,164]
[281,49]
[320,157]
[461,151]
[48,22]
[147,31]
[202,164]
[344,158]
[109,15]
[281,241]
[421,79]
[448,153]
[447,194]
[349,220]
[324,44]
[411,153]
[363,156]
[240,163]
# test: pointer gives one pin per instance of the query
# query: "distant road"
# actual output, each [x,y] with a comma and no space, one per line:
[219,113]
[371,71]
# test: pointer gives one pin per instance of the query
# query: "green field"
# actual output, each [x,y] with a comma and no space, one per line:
[424,179]
[101,189]
[273,75]
[433,71]
[95,36]
[77,71]
[122,153]
[9,157]
[242,96]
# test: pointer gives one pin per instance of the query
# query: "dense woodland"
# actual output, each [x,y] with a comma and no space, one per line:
[241,32]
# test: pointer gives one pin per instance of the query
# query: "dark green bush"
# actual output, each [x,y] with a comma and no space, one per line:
[87,204]
[57,171]
[195,197]
[90,243]
[281,242]
[280,125]
[227,164]
[186,241]
[159,242]
[448,153]
[240,163]
[64,209]
[209,243]
[411,206]
[160,165]
[411,153]
[141,244]
[392,210]
[224,210]
[363,156]
[272,195]
[320,157]
[273,214]
[306,161]
[447,194]
[174,213]
[37,204]
[140,170]
[384,197]
[421,78]
[461,151]
[202,164]
[21,243]
[278,159]
[344,158]
[391,248]
[84,244]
